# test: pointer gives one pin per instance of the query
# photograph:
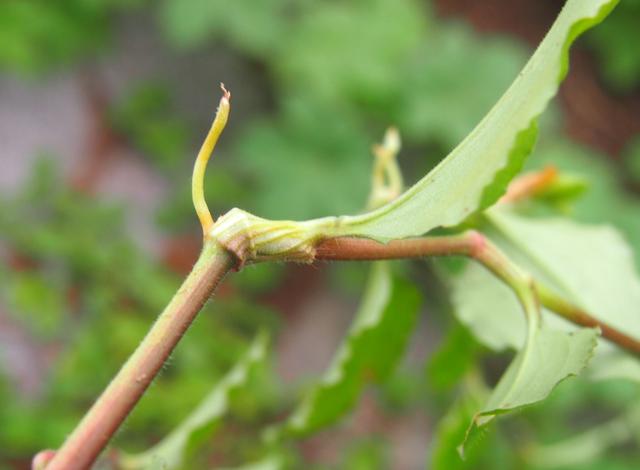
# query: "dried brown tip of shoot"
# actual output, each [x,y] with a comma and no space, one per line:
[226,93]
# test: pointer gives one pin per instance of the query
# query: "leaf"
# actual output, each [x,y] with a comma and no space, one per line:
[488,307]
[452,360]
[146,117]
[274,461]
[593,265]
[198,426]
[605,190]
[250,26]
[317,56]
[547,357]
[450,431]
[618,63]
[292,161]
[586,447]
[488,450]
[437,99]
[37,35]
[590,265]
[475,173]
[374,344]
[632,159]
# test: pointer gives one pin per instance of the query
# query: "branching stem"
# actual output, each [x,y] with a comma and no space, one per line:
[107,414]
[239,237]
[474,245]
[98,426]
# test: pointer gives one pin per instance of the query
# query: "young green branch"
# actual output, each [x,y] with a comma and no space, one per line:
[107,414]
[104,418]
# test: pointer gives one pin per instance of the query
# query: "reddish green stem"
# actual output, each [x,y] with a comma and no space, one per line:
[474,245]
[95,430]
[565,309]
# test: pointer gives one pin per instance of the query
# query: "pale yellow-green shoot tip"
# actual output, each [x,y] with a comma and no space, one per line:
[197,182]
[386,183]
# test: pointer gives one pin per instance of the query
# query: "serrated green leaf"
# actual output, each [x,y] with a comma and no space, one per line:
[590,265]
[170,452]
[372,348]
[475,173]
[547,357]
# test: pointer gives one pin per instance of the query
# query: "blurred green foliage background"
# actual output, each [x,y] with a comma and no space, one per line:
[88,260]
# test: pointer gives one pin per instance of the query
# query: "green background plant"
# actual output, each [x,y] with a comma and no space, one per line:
[301,152]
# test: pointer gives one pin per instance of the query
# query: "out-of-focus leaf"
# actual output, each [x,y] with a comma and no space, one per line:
[605,191]
[223,190]
[453,358]
[318,55]
[371,350]
[198,426]
[488,307]
[38,34]
[146,117]
[620,63]
[487,451]
[271,462]
[252,26]
[589,445]
[476,173]
[366,454]
[450,433]
[38,304]
[436,98]
[301,172]
[632,160]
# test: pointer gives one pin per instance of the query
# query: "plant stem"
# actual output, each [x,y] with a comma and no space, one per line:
[197,181]
[107,414]
[476,246]
[557,304]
